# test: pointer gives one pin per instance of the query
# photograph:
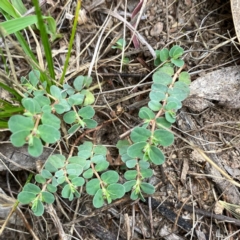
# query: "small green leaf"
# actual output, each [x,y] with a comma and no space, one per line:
[51,188]
[18,139]
[78,181]
[59,173]
[89,97]
[156,155]
[129,184]
[98,158]
[93,186]
[90,123]
[42,100]
[76,99]
[131,163]
[110,177]
[177,62]
[162,122]
[167,69]
[161,78]
[51,120]
[78,83]
[171,106]
[86,112]
[98,200]
[176,52]
[164,54]
[34,76]
[154,105]
[38,208]
[176,101]
[46,174]
[102,166]
[19,123]
[29,187]
[147,188]
[61,180]
[31,105]
[88,174]
[116,190]
[146,114]
[102,150]
[77,159]
[185,77]
[57,160]
[36,148]
[136,150]
[48,197]
[69,117]
[74,169]
[157,95]
[56,92]
[146,173]
[143,164]
[74,128]
[26,197]
[40,179]
[140,134]
[66,191]
[170,116]
[48,133]
[130,174]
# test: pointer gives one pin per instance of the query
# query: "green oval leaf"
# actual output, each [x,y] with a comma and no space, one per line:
[38,208]
[146,114]
[102,166]
[176,52]
[130,174]
[88,174]
[147,188]
[29,187]
[110,177]
[36,148]
[48,197]
[156,155]
[86,112]
[20,123]
[136,150]
[140,134]
[26,197]
[129,184]
[50,120]
[78,181]
[57,161]
[93,186]
[48,133]
[18,139]
[161,78]
[98,200]
[116,190]
[40,179]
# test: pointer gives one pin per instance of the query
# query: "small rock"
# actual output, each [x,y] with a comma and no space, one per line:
[157,29]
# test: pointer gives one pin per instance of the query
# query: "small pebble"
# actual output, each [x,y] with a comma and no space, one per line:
[157,29]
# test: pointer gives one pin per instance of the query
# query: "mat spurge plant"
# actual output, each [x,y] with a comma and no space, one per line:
[45,111]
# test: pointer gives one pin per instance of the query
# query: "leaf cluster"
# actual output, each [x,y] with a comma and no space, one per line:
[89,169]
[40,122]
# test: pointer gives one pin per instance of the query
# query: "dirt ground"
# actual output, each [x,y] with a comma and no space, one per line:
[190,184]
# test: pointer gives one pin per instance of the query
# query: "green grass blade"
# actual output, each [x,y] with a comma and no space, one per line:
[45,42]
[18,4]
[8,8]
[12,91]
[71,41]
[3,124]
[15,25]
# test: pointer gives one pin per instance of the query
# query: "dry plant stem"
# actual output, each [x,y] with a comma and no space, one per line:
[139,36]
[57,222]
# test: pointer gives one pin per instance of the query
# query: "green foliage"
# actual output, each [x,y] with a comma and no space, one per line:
[39,124]
[120,44]
[89,169]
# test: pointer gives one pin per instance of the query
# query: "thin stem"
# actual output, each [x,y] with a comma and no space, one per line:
[71,41]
